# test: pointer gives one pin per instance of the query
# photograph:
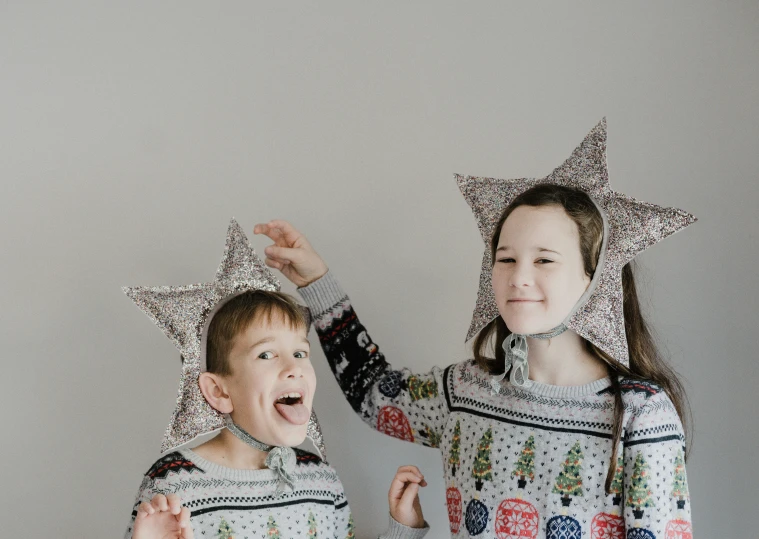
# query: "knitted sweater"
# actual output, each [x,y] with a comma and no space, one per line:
[227,503]
[525,462]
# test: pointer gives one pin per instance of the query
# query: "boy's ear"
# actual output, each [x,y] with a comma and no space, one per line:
[212,387]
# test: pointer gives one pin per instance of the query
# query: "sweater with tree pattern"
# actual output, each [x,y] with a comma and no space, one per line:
[526,462]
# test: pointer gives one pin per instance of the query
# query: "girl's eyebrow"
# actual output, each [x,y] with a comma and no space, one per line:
[544,249]
[540,249]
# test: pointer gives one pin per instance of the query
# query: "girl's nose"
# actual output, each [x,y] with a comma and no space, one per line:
[521,275]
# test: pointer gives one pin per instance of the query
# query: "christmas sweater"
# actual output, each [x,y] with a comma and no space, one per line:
[227,503]
[527,463]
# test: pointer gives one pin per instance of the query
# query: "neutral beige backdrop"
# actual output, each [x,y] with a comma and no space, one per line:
[131,132]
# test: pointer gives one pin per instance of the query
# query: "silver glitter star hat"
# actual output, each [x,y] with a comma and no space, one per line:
[183,314]
[630,227]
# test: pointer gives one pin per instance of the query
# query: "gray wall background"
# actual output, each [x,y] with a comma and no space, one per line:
[131,132]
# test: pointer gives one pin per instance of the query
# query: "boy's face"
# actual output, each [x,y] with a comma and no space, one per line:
[272,382]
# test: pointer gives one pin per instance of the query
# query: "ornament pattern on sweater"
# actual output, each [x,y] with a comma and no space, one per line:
[523,463]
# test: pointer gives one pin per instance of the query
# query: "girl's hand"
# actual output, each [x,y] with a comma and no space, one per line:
[162,518]
[404,497]
[291,253]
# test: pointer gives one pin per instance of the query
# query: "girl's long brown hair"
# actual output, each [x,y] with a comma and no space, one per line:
[646,361]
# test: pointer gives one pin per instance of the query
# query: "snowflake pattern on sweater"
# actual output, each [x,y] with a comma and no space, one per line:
[525,462]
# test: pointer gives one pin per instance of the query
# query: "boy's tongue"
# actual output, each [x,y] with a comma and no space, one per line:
[297,414]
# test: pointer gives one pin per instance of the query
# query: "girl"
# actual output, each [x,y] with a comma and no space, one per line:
[575,440]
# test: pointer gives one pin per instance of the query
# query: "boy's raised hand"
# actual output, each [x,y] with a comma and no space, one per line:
[291,253]
[162,518]
[404,497]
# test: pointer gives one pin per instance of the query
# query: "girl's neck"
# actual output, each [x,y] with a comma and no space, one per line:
[228,450]
[563,361]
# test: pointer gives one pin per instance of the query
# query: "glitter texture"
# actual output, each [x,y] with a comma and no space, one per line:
[182,313]
[633,226]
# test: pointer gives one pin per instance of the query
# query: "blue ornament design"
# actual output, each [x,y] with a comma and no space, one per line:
[640,533]
[476,519]
[563,527]
[390,386]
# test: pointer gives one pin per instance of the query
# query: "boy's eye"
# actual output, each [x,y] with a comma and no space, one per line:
[544,261]
[301,354]
[506,260]
[266,355]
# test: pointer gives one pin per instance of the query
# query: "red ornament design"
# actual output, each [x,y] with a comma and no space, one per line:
[453,500]
[678,529]
[607,526]
[393,422]
[516,518]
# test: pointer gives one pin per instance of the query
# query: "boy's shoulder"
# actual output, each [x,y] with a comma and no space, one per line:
[172,463]
[306,458]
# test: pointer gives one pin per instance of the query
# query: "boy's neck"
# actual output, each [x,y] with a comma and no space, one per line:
[563,361]
[228,450]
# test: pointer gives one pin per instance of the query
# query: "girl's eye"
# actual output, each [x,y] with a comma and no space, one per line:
[544,261]
[301,354]
[506,260]
[266,355]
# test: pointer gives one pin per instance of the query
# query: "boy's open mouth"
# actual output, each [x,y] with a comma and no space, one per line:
[290,406]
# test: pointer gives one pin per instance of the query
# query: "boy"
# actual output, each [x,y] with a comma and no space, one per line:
[254,380]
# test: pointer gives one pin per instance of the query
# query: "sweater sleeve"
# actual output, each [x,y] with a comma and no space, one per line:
[655,486]
[396,402]
[396,530]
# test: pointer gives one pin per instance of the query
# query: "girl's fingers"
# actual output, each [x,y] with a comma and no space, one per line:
[283,254]
[409,496]
[411,469]
[288,231]
[175,506]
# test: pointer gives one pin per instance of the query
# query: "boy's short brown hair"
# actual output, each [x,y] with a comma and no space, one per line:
[235,316]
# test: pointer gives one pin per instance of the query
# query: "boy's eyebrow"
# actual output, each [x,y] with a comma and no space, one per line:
[270,339]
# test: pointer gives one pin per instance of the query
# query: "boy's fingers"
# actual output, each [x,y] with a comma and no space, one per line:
[159,502]
[146,509]
[175,506]
[184,518]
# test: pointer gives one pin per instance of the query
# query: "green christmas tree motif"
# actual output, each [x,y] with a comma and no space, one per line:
[679,484]
[351,528]
[525,466]
[273,530]
[569,481]
[615,489]
[225,530]
[639,495]
[432,436]
[481,469]
[454,458]
[311,526]
[420,389]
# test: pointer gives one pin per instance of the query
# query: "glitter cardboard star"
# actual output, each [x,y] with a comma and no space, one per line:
[632,227]
[183,314]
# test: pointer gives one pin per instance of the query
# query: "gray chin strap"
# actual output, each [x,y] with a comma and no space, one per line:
[515,347]
[281,460]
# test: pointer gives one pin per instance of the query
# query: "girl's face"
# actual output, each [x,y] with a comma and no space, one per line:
[538,271]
